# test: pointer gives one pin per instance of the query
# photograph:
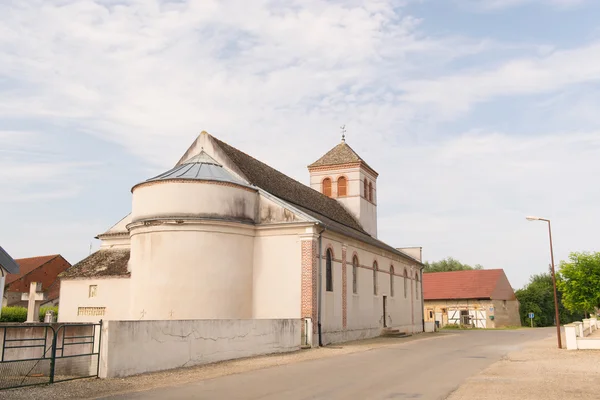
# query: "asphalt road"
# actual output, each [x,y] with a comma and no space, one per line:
[423,369]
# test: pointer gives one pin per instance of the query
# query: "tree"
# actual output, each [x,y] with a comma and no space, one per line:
[448,264]
[538,297]
[579,281]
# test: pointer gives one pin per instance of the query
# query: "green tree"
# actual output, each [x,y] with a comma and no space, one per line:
[538,297]
[448,264]
[579,281]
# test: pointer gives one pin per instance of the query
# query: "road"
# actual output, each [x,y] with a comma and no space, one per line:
[423,369]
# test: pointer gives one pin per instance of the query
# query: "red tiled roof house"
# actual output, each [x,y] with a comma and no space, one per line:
[44,269]
[481,298]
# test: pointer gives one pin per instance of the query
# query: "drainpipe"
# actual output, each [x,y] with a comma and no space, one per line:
[423,304]
[319,280]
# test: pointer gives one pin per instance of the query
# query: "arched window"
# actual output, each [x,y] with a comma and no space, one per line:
[417,285]
[405,283]
[327,187]
[392,281]
[370,191]
[355,275]
[342,186]
[329,272]
[375,270]
[366,189]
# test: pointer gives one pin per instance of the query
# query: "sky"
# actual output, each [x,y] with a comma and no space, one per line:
[475,113]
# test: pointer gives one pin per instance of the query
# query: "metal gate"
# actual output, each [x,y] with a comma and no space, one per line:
[36,354]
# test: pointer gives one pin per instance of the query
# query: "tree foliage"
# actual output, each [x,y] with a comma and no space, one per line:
[538,297]
[579,281]
[448,264]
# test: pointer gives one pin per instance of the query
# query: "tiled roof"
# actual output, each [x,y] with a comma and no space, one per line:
[26,265]
[288,189]
[323,208]
[340,154]
[470,284]
[102,263]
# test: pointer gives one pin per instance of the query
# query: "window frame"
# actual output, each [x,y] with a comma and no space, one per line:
[375,280]
[329,271]
[328,180]
[392,271]
[405,283]
[345,187]
[355,265]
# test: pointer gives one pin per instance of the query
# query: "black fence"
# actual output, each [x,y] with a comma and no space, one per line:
[36,354]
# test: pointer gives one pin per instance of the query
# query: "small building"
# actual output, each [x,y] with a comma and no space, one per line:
[7,266]
[479,298]
[44,269]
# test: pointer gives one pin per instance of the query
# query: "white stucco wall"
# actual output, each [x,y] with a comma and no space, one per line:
[191,271]
[277,274]
[194,198]
[111,293]
[135,347]
[364,309]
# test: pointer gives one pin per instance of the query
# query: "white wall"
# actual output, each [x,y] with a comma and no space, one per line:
[191,271]
[364,309]
[277,274]
[136,347]
[111,293]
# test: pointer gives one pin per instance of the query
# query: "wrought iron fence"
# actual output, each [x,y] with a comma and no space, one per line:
[35,354]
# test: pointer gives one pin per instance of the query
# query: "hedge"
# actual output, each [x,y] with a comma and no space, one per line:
[19,314]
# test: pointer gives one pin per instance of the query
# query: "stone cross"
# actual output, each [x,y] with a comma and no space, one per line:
[34,299]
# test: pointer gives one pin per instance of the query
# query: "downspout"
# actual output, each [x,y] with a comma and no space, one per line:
[319,280]
[423,304]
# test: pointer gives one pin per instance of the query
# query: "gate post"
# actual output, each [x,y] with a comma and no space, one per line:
[53,354]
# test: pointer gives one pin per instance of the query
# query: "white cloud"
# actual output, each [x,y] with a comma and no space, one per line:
[491,5]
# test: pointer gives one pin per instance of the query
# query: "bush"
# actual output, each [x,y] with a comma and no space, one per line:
[13,314]
[19,314]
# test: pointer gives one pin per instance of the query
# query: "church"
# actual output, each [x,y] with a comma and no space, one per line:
[224,236]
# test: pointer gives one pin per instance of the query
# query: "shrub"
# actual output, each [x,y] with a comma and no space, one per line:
[19,314]
[13,314]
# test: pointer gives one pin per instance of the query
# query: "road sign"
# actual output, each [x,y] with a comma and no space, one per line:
[531,315]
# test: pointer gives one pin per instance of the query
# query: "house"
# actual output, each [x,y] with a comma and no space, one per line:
[481,298]
[224,236]
[7,266]
[44,269]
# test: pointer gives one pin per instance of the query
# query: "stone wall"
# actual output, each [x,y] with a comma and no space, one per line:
[136,347]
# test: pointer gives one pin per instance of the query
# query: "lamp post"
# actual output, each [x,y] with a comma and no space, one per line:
[557,316]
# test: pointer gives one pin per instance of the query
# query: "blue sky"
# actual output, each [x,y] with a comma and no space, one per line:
[474,112]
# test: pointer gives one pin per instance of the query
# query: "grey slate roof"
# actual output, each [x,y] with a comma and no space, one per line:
[103,263]
[200,167]
[8,263]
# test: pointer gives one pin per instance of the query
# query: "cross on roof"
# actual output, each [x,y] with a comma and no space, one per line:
[343,129]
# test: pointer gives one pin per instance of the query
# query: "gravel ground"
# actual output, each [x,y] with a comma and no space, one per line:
[540,371]
[96,388]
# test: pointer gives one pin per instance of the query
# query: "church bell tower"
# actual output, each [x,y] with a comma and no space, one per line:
[341,174]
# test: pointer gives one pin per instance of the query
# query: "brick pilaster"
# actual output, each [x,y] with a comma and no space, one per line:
[309,281]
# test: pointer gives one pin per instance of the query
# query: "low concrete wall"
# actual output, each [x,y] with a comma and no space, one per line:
[136,347]
[582,335]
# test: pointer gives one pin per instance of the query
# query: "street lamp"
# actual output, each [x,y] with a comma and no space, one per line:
[557,316]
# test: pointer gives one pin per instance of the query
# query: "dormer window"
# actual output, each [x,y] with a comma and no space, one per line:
[342,186]
[327,187]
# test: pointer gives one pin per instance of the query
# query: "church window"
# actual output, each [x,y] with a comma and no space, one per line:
[329,272]
[342,186]
[370,191]
[327,187]
[375,270]
[405,283]
[392,281]
[366,189]
[355,275]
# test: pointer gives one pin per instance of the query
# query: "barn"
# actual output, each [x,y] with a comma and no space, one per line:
[477,298]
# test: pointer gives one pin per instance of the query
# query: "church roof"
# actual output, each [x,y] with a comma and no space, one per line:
[8,263]
[201,167]
[339,155]
[328,211]
[288,189]
[101,263]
